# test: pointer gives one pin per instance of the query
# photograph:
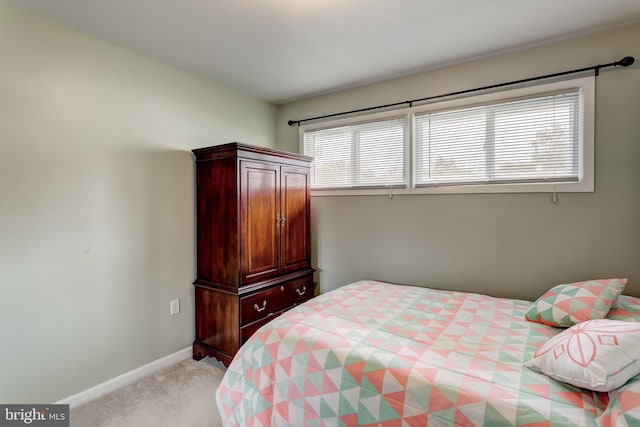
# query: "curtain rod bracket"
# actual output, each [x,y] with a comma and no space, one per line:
[624,62]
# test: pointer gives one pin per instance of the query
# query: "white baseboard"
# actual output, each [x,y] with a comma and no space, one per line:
[125,379]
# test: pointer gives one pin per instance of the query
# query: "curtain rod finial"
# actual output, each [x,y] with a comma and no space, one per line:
[626,61]
[292,122]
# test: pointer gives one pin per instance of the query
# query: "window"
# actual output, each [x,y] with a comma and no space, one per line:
[529,140]
[533,139]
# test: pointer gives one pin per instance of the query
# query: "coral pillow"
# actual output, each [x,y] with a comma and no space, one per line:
[599,355]
[566,305]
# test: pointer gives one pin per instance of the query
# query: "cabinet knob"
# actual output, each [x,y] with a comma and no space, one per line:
[280,220]
[258,308]
[282,288]
[301,292]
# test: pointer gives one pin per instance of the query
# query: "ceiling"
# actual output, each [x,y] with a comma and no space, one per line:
[283,50]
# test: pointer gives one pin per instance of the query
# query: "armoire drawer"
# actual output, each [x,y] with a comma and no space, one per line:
[248,330]
[276,298]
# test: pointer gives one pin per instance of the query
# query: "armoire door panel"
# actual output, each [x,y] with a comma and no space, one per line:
[296,223]
[260,230]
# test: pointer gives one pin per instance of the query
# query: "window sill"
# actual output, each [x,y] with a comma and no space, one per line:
[569,187]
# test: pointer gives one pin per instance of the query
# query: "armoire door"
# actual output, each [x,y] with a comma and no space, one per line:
[260,221]
[295,224]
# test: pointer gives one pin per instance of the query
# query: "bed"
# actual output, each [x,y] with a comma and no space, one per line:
[372,353]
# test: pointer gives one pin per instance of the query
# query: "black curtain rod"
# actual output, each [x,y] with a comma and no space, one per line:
[624,62]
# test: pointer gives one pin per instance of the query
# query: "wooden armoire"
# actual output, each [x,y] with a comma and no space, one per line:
[253,242]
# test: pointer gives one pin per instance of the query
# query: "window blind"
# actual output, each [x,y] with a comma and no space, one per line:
[526,140]
[371,154]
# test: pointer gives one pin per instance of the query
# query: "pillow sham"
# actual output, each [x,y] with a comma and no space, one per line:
[599,355]
[626,307]
[568,304]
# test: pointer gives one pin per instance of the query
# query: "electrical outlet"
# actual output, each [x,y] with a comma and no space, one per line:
[174,307]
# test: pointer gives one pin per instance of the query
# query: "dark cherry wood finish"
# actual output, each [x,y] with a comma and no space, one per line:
[296,246]
[254,243]
[260,213]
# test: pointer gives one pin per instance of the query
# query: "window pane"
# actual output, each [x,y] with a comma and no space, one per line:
[363,155]
[536,139]
[332,152]
[454,146]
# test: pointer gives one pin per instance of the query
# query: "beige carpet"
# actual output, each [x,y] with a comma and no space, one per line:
[181,395]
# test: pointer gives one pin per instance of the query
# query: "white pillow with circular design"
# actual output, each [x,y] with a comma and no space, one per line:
[599,355]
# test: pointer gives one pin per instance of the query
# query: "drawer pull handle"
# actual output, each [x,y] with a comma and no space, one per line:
[259,309]
[301,292]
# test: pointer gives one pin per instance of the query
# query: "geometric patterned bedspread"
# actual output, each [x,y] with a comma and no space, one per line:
[375,354]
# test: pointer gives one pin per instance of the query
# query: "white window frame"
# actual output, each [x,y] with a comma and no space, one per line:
[585,183]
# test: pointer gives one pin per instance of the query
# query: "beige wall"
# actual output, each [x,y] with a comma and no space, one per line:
[514,245]
[97,204]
